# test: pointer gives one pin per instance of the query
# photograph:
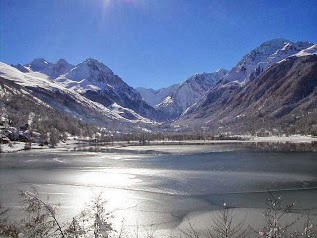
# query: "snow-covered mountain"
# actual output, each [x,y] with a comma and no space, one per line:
[97,82]
[309,51]
[283,97]
[49,92]
[264,56]
[39,65]
[91,70]
[53,70]
[21,67]
[154,97]
[92,91]
[189,92]
[59,68]
[251,66]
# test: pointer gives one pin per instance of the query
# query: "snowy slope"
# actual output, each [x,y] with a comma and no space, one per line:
[88,75]
[94,80]
[189,92]
[264,56]
[21,67]
[309,51]
[154,97]
[50,93]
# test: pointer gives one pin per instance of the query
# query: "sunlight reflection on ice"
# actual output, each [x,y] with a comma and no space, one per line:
[107,178]
[117,199]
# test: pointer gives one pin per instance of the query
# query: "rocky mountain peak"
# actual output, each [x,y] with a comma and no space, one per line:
[20,67]
[90,69]
[39,64]
[278,42]
[97,65]
[62,61]
[59,68]
[222,72]
[264,56]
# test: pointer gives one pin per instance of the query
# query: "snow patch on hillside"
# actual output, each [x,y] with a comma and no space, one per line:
[309,51]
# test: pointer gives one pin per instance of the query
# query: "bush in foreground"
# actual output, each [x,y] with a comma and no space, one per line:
[40,220]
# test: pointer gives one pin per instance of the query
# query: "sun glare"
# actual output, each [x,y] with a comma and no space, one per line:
[108,4]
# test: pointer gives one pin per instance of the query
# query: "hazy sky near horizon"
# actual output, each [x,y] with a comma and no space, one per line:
[150,43]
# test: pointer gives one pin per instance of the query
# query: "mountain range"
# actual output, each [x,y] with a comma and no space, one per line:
[271,87]
[89,91]
[282,98]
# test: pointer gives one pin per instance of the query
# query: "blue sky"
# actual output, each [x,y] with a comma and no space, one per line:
[150,43]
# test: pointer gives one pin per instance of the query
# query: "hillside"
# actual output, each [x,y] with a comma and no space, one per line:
[44,91]
[180,99]
[284,98]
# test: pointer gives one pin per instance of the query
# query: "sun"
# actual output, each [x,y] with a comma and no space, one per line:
[109,2]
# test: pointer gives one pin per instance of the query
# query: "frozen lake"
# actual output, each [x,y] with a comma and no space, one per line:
[146,189]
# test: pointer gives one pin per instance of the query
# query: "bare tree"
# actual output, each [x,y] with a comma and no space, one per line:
[275,226]
[190,232]
[92,222]
[40,220]
[225,224]
[102,227]
[309,229]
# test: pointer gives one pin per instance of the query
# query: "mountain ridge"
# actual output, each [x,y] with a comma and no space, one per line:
[95,81]
[51,93]
[283,96]
[91,89]
[256,61]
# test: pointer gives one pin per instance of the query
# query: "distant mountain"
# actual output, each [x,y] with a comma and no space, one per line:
[21,67]
[39,65]
[154,97]
[59,68]
[271,86]
[189,92]
[53,70]
[284,98]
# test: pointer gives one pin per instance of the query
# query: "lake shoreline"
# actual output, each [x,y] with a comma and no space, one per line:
[135,147]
